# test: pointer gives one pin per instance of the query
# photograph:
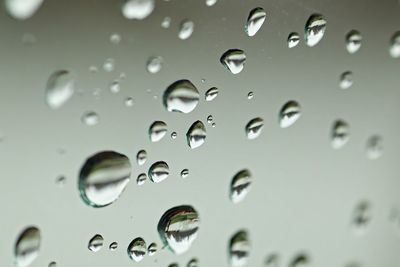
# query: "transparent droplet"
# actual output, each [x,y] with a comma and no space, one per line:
[193,263]
[141,179]
[211,2]
[213,124]
[115,38]
[158,172]
[239,249]
[137,249]
[175,264]
[152,249]
[362,216]
[289,114]
[293,39]
[115,87]
[154,64]
[240,185]
[166,22]
[255,20]
[174,135]
[185,173]
[93,69]
[22,9]
[353,41]
[196,135]
[96,243]
[186,29]
[27,247]
[375,147]
[109,65]
[233,60]
[181,96]
[61,180]
[90,118]
[137,9]
[210,119]
[178,228]
[346,80]
[129,101]
[53,264]
[394,49]
[60,88]
[113,246]
[28,39]
[315,29]
[300,260]
[157,131]
[250,95]
[211,94]
[141,157]
[103,177]
[272,260]
[340,134]
[254,128]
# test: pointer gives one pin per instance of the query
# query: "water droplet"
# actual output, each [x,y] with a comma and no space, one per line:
[27,246]
[293,39]
[394,49]
[346,80]
[137,9]
[109,65]
[60,88]
[174,135]
[157,131]
[22,9]
[166,22]
[178,228]
[240,186]
[53,264]
[375,147]
[141,157]
[29,39]
[186,29]
[340,134]
[175,264]
[272,260]
[211,94]
[289,114]
[158,172]
[115,87]
[239,249]
[353,41]
[234,60]
[362,216]
[113,246]
[152,249]
[115,38]
[315,29]
[193,263]
[61,180]
[103,178]
[90,118]
[255,20]
[96,243]
[254,128]
[211,2]
[210,119]
[93,69]
[213,124]
[300,260]
[129,101]
[137,249]
[196,135]
[250,95]
[185,173]
[141,179]
[181,96]
[154,64]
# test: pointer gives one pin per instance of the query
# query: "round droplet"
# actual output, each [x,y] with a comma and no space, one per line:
[340,134]
[211,94]
[353,41]
[96,243]
[103,177]
[178,228]
[272,260]
[115,38]
[157,131]
[255,20]
[234,60]
[166,22]
[293,39]
[115,87]
[346,80]
[141,179]
[137,249]
[129,101]
[158,172]
[90,118]
[394,49]
[196,135]
[137,9]
[240,186]
[109,65]
[362,216]
[193,263]
[210,119]
[289,114]
[22,9]
[27,247]
[174,135]
[250,95]
[113,246]
[152,249]
[61,180]
[300,260]
[254,128]
[211,2]
[186,29]
[185,173]
[53,264]
[375,147]
[239,249]
[154,64]
[315,29]
[181,96]
[60,88]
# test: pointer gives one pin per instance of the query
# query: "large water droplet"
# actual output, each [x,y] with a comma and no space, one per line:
[103,178]
[211,94]
[255,20]
[178,228]
[141,157]
[394,49]
[59,89]
[254,128]
[234,60]
[154,64]
[137,249]
[239,249]
[157,131]
[346,80]
[289,114]
[186,29]
[196,135]
[158,172]
[315,29]
[27,246]
[96,243]
[137,9]
[293,39]
[375,147]
[240,186]
[340,134]
[22,9]
[181,96]
[362,216]
[353,41]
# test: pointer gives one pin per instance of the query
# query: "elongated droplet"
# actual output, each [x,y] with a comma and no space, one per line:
[375,147]
[239,249]
[141,157]
[240,186]
[22,9]
[60,88]
[293,39]
[152,249]
[289,114]
[137,9]
[315,29]
[27,246]
[157,131]
[340,134]
[96,243]
[211,94]
[346,80]
[154,64]
[234,60]
[254,128]
[137,249]
[158,172]
[362,216]
[394,49]
[255,20]
[181,96]
[196,135]
[353,41]
[103,178]
[186,29]
[178,228]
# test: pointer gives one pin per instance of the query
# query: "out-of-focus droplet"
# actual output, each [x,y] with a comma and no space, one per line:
[115,38]
[61,180]
[240,186]
[109,65]
[193,263]
[239,249]
[185,173]
[375,147]
[346,80]
[353,41]
[289,114]
[27,247]
[96,243]
[166,22]
[340,134]
[53,264]
[115,87]
[158,172]
[196,135]
[28,39]
[211,2]
[174,264]
[60,88]
[90,118]
[103,177]
[141,179]
[394,49]
[254,128]
[137,9]
[315,29]
[157,131]
[181,96]
[178,228]
[154,64]
[174,135]
[22,9]
[362,216]
[152,249]
[234,60]
[211,94]
[255,20]
[272,260]
[250,95]
[137,249]
[141,157]
[113,246]
[186,29]
[129,101]
[300,260]
[293,39]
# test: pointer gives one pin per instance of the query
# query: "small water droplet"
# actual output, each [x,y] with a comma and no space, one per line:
[90,118]
[272,260]
[141,179]
[152,249]
[211,94]
[315,29]
[178,228]
[213,124]
[158,172]
[289,114]
[340,134]
[115,87]
[196,135]
[60,88]
[27,247]
[210,119]
[185,173]
[394,49]
[115,38]
[346,80]
[109,65]
[181,96]
[174,135]
[137,9]
[353,41]
[96,243]
[234,60]
[157,131]
[53,264]
[293,39]
[250,95]
[375,147]
[175,264]
[141,157]
[211,2]
[166,22]
[254,128]
[154,64]
[113,246]
[93,69]
[240,185]
[22,9]
[61,180]
[29,39]
[255,20]
[137,249]
[239,249]
[193,263]
[300,260]
[362,216]
[129,101]
[186,29]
